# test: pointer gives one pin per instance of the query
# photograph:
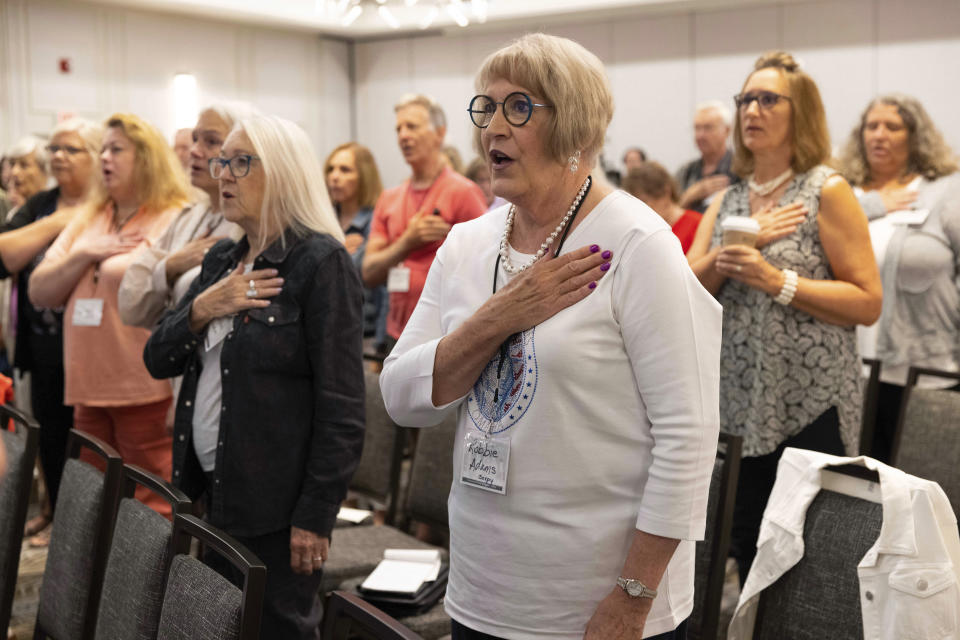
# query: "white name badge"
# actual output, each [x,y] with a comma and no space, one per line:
[398,280]
[485,463]
[909,217]
[88,312]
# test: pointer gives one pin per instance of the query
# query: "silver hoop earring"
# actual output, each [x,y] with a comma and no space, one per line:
[574,161]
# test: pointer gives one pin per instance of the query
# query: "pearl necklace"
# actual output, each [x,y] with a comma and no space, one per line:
[767,188]
[542,251]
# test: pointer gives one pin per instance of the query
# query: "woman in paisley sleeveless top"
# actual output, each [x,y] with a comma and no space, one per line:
[789,364]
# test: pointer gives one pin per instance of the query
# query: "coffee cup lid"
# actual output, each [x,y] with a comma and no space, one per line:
[740,223]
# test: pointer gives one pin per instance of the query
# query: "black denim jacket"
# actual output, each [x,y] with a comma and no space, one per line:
[292,419]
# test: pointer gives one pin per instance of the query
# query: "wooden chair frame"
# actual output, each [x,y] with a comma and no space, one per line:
[912,374]
[344,605]
[113,475]
[187,526]
[28,428]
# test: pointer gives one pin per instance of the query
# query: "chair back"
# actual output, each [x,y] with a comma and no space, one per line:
[347,616]
[21,450]
[712,551]
[80,541]
[378,474]
[199,603]
[926,442]
[820,596]
[871,396]
[133,583]
[432,474]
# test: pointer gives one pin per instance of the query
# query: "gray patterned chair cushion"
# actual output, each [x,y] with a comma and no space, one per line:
[820,596]
[355,552]
[372,475]
[199,604]
[11,492]
[133,584]
[930,443]
[66,579]
[432,472]
[432,625]
[703,553]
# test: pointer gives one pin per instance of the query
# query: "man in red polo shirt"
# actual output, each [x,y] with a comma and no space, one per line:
[411,221]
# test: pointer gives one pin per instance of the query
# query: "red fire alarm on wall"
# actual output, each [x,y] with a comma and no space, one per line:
[64,65]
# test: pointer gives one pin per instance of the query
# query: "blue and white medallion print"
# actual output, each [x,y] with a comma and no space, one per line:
[505,389]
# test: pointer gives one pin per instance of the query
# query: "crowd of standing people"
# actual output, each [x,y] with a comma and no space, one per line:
[204,308]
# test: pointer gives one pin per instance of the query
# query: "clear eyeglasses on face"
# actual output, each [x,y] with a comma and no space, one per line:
[53,149]
[517,109]
[239,165]
[766,99]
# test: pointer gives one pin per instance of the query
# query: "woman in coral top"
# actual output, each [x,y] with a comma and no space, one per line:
[113,396]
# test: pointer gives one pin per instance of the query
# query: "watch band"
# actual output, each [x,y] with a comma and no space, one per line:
[635,588]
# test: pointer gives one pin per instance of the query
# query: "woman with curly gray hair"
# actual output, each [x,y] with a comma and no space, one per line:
[906,178]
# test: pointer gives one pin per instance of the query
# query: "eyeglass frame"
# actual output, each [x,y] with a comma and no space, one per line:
[228,163]
[70,150]
[743,102]
[503,108]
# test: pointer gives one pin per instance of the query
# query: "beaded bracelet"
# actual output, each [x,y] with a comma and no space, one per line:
[789,288]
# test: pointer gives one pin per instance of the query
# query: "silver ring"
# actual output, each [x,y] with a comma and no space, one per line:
[739,268]
[318,559]
[252,291]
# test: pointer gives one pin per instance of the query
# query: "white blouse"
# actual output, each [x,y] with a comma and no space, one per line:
[611,411]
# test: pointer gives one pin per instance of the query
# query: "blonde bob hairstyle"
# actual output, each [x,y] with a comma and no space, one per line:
[158,177]
[295,194]
[369,185]
[561,73]
[810,138]
[929,154]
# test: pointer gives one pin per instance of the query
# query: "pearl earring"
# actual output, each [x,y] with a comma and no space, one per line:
[574,161]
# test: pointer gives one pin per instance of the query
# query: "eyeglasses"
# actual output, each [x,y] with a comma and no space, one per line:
[517,109]
[239,165]
[766,99]
[52,149]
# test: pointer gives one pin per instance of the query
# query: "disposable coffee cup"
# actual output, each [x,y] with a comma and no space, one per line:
[740,230]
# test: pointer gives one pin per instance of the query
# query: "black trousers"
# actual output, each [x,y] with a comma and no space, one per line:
[291,601]
[55,419]
[461,632]
[757,475]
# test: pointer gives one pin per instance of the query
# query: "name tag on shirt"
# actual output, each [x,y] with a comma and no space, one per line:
[88,312]
[485,463]
[909,217]
[398,280]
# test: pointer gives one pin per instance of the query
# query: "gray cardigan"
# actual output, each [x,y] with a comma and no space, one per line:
[920,322]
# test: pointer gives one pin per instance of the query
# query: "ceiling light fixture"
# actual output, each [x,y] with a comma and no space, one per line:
[352,15]
[479,9]
[454,11]
[387,17]
[428,19]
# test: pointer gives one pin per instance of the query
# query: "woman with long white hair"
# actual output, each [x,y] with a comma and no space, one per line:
[269,421]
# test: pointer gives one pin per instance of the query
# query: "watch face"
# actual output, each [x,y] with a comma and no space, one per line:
[634,589]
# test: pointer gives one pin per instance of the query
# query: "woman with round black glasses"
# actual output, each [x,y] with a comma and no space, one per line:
[570,335]
[789,373]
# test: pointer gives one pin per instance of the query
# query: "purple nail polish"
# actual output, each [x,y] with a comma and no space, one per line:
[594,248]
[605,266]
[606,255]
[592,285]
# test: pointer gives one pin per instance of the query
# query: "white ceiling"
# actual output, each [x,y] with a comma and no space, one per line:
[305,15]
